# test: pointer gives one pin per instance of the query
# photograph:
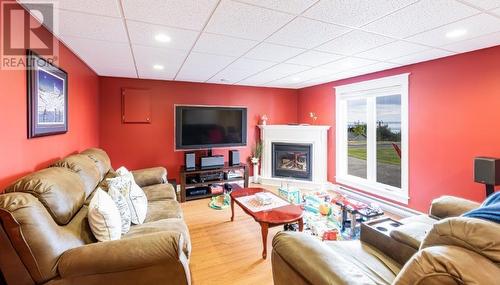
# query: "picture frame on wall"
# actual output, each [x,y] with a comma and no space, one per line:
[47,97]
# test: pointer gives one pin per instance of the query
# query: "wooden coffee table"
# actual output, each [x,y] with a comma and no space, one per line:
[268,218]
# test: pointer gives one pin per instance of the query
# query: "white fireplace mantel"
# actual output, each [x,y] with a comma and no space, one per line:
[300,134]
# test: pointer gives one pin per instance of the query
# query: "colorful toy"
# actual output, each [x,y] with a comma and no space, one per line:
[330,235]
[312,203]
[324,209]
[291,194]
[220,202]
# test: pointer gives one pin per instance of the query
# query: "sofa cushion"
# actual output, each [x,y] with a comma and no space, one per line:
[136,199]
[104,217]
[163,209]
[122,206]
[473,234]
[101,159]
[411,234]
[369,260]
[160,192]
[174,225]
[84,167]
[59,189]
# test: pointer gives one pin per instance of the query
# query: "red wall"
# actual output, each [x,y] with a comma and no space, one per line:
[20,155]
[145,145]
[453,109]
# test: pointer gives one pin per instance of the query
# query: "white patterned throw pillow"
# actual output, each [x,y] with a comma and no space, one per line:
[104,218]
[122,205]
[135,196]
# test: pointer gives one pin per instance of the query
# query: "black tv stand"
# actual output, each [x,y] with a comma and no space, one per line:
[186,173]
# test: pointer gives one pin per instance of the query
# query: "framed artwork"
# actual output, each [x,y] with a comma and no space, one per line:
[47,97]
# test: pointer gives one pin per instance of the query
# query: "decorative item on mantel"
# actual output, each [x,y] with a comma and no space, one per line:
[313,116]
[263,120]
[255,158]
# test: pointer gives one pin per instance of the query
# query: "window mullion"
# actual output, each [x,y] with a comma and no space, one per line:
[343,137]
[371,139]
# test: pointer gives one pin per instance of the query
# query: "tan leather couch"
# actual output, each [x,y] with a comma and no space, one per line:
[45,237]
[456,250]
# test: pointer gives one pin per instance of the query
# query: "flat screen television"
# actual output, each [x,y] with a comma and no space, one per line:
[206,127]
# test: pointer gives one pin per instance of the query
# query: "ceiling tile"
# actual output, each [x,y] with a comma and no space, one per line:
[112,59]
[200,66]
[475,43]
[274,53]
[419,17]
[379,66]
[289,6]
[246,21]
[100,7]
[274,73]
[484,4]
[170,59]
[92,27]
[420,56]
[391,50]
[320,80]
[223,45]
[314,58]
[144,34]
[188,14]
[239,70]
[496,12]
[475,26]
[354,13]
[306,33]
[346,64]
[286,85]
[109,8]
[301,77]
[354,42]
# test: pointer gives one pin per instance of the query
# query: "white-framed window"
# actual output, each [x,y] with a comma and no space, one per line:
[372,136]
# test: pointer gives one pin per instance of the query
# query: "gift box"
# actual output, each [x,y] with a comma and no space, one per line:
[291,194]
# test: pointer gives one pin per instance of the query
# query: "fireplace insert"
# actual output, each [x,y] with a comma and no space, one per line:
[292,160]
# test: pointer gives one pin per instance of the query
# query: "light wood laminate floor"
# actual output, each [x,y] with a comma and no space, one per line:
[226,252]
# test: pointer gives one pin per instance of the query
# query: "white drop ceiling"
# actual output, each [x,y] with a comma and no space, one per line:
[271,43]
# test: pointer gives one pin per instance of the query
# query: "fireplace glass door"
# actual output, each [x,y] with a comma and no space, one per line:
[292,161]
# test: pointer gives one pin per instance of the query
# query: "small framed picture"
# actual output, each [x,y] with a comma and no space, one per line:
[47,97]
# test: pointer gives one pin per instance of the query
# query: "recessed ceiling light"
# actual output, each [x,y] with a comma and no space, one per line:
[162,38]
[456,33]
[158,67]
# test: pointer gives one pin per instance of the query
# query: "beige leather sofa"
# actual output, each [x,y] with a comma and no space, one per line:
[45,237]
[456,250]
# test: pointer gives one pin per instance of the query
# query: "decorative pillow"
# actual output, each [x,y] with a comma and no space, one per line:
[135,196]
[104,218]
[122,205]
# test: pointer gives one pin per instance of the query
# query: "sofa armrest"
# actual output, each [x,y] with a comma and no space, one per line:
[450,206]
[312,262]
[150,176]
[448,265]
[476,235]
[124,255]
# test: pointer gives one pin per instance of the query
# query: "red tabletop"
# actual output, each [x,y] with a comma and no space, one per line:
[280,215]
